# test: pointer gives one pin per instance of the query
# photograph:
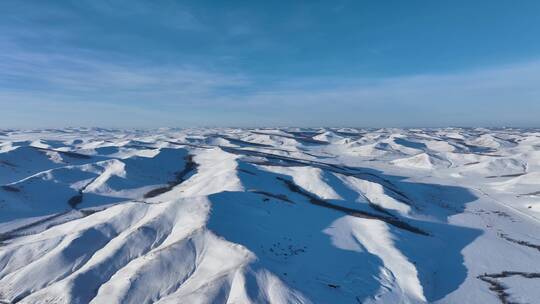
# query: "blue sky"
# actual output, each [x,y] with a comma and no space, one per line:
[269,63]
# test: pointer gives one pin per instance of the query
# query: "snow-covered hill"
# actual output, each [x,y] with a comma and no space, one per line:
[270,216]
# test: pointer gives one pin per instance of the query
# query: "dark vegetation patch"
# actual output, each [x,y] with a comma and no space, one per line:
[495,212]
[519,242]
[74,155]
[281,197]
[187,144]
[379,208]
[507,175]
[180,177]
[66,153]
[14,233]
[304,137]
[87,212]
[76,200]
[350,211]
[11,188]
[286,250]
[499,288]
[246,171]
[18,232]
[536,193]
[410,144]
[134,146]
[513,141]
[5,162]
[349,134]
[240,142]
[503,214]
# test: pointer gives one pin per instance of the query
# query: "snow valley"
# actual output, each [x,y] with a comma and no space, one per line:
[270,216]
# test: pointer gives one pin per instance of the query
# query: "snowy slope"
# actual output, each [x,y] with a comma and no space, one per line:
[270,216]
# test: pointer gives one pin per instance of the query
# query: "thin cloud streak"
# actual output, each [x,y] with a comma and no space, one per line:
[78,76]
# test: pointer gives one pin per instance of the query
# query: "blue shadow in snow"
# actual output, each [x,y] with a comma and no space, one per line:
[291,240]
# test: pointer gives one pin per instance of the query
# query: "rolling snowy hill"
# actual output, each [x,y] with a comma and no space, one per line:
[270,216]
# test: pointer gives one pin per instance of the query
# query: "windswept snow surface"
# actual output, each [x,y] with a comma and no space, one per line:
[270,216]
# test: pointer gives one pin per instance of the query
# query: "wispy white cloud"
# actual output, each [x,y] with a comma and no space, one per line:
[516,83]
[81,75]
[192,96]
[491,96]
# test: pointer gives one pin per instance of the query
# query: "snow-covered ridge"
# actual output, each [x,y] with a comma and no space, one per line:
[270,215]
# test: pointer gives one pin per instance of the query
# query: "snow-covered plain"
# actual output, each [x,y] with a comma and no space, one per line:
[270,216]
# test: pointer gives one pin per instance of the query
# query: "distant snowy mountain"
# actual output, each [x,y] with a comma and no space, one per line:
[270,216]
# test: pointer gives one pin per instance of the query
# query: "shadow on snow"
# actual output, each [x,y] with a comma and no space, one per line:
[289,239]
